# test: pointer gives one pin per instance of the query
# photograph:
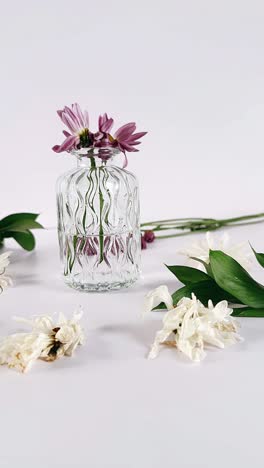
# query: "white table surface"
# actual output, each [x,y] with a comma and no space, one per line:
[109,406]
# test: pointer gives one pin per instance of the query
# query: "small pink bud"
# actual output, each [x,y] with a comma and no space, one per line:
[149,236]
[143,243]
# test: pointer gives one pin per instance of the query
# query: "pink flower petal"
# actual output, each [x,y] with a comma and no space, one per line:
[133,143]
[100,121]
[68,122]
[104,123]
[78,112]
[136,136]
[125,147]
[71,117]
[56,148]
[124,131]
[67,145]
[86,118]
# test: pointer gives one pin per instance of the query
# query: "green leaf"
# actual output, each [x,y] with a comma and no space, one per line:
[233,278]
[25,239]
[17,217]
[20,228]
[259,257]
[204,291]
[248,312]
[19,223]
[187,275]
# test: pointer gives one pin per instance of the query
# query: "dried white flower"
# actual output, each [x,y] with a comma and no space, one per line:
[201,250]
[191,326]
[5,281]
[20,350]
[48,340]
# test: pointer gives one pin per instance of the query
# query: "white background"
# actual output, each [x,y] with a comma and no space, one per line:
[190,73]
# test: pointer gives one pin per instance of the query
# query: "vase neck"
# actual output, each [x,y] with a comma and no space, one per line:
[92,162]
[95,157]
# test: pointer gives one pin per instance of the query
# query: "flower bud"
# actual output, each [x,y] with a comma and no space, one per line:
[149,236]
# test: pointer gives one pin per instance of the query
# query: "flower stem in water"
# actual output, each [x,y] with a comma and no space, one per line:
[101,232]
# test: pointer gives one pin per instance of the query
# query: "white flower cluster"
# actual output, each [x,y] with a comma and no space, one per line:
[5,281]
[201,250]
[47,340]
[192,325]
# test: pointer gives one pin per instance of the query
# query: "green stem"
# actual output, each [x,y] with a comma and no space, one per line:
[101,206]
[93,164]
[192,225]
[242,218]
[165,221]
[101,231]
[181,234]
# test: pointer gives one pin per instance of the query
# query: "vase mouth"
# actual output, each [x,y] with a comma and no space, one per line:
[96,157]
[103,153]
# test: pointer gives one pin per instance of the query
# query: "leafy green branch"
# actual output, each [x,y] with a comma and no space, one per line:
[225,279]
[18,226]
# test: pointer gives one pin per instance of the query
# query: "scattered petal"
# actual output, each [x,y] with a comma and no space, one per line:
[5,281]
[155,297]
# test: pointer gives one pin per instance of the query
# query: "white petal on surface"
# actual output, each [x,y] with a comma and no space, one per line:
[173,318]
[155,297]
[193,348]
[161,336]
[4,261]
[201,249]
[5,281]
[39,324]
[242,253]
[219,312]
[65,334]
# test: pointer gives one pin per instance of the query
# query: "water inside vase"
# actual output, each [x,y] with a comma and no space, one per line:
[100,262]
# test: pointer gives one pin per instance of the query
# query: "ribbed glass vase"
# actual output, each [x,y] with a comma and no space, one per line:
[98,223]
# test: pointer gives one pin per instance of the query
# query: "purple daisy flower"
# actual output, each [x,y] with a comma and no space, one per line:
[77,122]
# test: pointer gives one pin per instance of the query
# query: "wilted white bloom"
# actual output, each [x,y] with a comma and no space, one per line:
[48,340]
[68,334]
[5,281]
[190,326]
[20,350]
[201,250]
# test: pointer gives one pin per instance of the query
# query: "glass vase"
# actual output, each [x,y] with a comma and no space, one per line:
[98,223]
